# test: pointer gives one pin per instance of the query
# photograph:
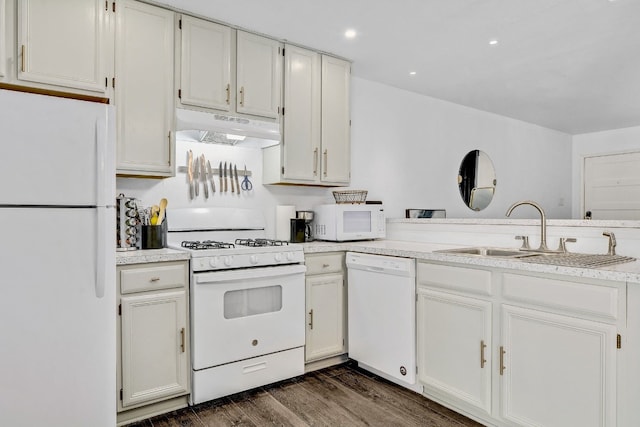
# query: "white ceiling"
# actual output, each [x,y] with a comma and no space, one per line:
[569,65]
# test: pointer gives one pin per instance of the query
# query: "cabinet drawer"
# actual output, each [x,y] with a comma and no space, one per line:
[579,298]
[457,278]
[325,263]
[153,277]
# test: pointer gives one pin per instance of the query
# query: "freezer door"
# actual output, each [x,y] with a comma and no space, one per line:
[58,337]
[53,150]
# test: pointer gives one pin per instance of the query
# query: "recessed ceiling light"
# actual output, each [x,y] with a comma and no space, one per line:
[412,73]
[493,42]
[350,34]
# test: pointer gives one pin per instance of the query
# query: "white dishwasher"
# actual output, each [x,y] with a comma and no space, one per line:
[382,315]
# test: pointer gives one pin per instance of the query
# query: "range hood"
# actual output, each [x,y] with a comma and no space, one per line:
[214,128]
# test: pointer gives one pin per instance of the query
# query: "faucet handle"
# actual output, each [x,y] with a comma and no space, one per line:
[561,247]
[612,242]
[525,241]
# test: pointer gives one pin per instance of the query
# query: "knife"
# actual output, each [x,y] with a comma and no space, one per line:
[210,174]
[196,176]
[203,172]
[226,180]
[190,172]
[233,190]
[235,172]
[220,176]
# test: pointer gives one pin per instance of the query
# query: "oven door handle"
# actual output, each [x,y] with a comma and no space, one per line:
[247,273]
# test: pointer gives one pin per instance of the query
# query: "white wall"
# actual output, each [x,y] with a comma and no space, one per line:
[406,150]
[589,144]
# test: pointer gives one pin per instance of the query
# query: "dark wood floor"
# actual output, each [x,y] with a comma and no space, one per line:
[338,396]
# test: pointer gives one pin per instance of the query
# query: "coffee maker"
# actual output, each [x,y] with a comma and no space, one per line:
[304,221]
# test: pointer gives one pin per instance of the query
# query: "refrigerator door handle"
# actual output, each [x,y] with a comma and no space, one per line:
[101,246]
[101,154]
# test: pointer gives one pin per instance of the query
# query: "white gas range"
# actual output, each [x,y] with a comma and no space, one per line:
[247,298]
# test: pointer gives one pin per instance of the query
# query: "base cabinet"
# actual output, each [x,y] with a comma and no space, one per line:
[520,349]
[153,335]
[325,304]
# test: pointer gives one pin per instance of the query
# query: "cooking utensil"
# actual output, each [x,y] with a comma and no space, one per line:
[163,207]
[220,176]
[196,176]
[226,181]
[210,175]
[235,172]
[203,172]
[233,186]
[246,184]
[190,173]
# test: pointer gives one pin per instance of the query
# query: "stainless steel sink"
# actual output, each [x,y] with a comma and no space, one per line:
[488,252]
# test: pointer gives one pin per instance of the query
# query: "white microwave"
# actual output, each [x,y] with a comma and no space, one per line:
[344,222]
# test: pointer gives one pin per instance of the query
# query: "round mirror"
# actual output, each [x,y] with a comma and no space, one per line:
[476,180]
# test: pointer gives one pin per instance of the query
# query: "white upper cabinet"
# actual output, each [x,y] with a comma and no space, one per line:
[336,121]
[205,71]
[144,89]
[259,75]
[63,43]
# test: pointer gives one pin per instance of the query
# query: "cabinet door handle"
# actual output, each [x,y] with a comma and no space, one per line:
[22,59]
[502,352]
[325,162]
[182,348]
[311,319]
[315,162]
[154,279]
[482,359]
[242,96]
[228,93]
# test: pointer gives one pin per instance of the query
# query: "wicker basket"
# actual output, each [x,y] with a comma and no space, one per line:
[350,196]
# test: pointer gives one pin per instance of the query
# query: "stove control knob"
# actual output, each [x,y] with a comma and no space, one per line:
[228,261]
[213,262]
[290,256]
[253,259]
[278,257]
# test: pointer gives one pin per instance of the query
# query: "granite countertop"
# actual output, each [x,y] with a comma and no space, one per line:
[150,255]
[627,272]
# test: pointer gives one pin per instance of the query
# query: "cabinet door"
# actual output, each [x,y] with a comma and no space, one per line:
[144,89]
[325,316]
[336,121]
[205,76]
[301,136]
[154,357]
[557,370]
[454,346]
[259,75]
[62,43]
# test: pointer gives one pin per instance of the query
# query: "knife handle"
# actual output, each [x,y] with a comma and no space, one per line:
[233,189]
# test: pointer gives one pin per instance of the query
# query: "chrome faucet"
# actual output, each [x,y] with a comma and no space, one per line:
[612,242]
[543,222]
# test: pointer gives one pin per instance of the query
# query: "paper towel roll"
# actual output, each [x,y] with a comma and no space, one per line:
[283,226]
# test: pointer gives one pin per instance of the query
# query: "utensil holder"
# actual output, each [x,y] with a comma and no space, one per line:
[154,236]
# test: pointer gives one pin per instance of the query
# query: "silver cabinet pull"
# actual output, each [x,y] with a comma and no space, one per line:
[482,359]
[228,93]
[242,96]
[22,60]
[315,162]
[154,279]
[502,368]
[325,162]
[182,338]
[311,319]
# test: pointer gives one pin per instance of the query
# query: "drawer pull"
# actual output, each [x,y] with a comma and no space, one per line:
[482,359]
[182,340]
[325,265]
[502,368]
[154,279]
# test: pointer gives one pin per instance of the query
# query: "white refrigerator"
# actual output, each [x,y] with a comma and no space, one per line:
[57,262]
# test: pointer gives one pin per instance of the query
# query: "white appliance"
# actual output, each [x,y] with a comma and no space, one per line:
[382,315]
[342,222]
[57,224]
[247,298]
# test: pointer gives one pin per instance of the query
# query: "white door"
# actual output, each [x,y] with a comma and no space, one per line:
[63,43]
[205,64]
[454,346]
[154,353]
[144,89]
[336,121]
[54,146]
[259,75]
[557,371]
[301,134]
[612,186]
[58,338]
[325,316]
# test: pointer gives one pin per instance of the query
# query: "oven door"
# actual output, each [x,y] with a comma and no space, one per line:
[239,314]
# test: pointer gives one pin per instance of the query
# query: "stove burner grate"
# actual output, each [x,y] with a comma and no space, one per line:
[206,244]
[261,242]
